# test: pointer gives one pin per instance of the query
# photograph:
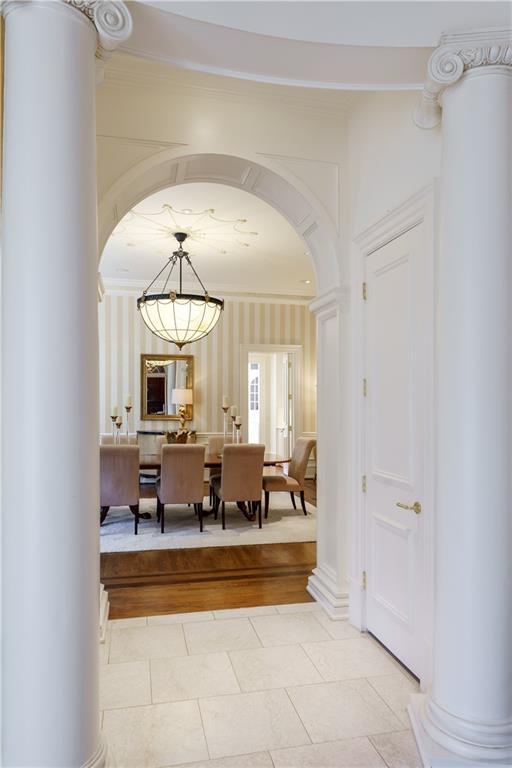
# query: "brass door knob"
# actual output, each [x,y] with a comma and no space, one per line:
[416,507]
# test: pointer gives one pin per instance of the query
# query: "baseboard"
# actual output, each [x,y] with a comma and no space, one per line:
[334,603]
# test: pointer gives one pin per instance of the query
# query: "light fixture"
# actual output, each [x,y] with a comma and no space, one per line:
[176,316]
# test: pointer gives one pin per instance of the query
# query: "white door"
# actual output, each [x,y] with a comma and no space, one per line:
[397,314]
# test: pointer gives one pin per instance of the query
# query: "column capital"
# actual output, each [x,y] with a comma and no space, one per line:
[457,53]
[110,18]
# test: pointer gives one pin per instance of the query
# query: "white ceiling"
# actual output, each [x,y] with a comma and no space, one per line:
[226,254]
[357,22]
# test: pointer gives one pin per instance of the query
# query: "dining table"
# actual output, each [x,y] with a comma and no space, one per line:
[211,461]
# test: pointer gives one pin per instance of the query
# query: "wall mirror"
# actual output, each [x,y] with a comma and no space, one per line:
[162,381]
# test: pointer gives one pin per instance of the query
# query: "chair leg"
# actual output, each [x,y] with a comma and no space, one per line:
[158,509]
[216,502]
[267,499]
[223,513]
[162,516]
[134,509]
[260,523]
[292,495]
[200,513]
[103,513]
[303,502]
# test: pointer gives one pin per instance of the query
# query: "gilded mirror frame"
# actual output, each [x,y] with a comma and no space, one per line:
[144,359]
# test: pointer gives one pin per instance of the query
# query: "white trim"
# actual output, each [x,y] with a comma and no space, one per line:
[419,207]
[134,287]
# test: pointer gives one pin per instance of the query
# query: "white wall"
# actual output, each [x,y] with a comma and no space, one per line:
[388,157]
[124,337]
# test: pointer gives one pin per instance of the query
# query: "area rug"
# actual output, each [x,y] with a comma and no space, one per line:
[284,524]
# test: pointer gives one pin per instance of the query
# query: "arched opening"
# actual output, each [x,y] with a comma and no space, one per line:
[312,226]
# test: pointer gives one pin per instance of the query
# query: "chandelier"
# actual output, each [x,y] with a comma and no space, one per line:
[176,316]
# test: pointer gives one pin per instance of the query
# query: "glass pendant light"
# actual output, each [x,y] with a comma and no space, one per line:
[178,317]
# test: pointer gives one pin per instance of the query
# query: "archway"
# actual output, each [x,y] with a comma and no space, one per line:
[290,197]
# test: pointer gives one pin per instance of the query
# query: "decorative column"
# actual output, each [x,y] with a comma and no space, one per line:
[467,715]
[50,536]
[328,582]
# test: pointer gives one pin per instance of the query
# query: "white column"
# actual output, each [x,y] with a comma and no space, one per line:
[328,582]
[50,561]
[469,709]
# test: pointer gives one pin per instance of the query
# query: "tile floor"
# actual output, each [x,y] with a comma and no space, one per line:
[266,687]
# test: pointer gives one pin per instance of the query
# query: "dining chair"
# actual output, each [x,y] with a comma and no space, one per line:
[293,482]
[119,480]
[242,472]
[181,479]
[215,447]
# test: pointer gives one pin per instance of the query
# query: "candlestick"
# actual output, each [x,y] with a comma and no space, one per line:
[113,418]
[114,413]
[225,402]
[225,408]
[128,402]
[127,408]
[238,424]
[119,423]
[233,428]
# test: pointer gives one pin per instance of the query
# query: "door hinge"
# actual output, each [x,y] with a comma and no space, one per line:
[364,580]
[363,483]
[365,387]
[365,291]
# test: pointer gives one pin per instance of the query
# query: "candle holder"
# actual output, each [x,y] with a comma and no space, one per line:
[128,408]
[119,424]
[238,432]
[225,408]
[233,429]
[113,418]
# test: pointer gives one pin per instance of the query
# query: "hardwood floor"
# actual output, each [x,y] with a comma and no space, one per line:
[208,578]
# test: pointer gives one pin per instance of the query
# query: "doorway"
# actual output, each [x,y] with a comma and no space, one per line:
[270,400]
[271,383]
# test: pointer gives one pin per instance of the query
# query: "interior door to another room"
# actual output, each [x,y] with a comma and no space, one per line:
[398,314]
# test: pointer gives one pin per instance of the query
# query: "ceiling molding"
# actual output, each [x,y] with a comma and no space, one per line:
[129,287]
[135,74]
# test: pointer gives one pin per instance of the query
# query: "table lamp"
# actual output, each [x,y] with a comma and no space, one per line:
[182,398]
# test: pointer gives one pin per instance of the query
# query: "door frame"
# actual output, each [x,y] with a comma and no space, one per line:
[421,207]
[295,349]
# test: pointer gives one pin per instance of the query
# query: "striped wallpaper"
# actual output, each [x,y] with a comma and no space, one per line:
[123,337]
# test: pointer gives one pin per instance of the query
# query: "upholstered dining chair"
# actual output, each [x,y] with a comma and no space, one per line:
[119,480]
[215,446]
[293,482]
[242,472]
[181,479]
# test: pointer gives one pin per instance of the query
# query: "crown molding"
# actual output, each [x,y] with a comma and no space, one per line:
[130,287]
[458,53]
[133,76]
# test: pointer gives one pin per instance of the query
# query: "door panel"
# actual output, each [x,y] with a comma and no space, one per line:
[395,358]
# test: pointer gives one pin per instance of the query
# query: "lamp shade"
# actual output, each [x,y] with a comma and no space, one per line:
[182,397]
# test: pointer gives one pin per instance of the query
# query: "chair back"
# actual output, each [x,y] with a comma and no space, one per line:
[300,457]
[182,474]
[217,443]
[160,441]
[123,440]
[119,475]
[242,471]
